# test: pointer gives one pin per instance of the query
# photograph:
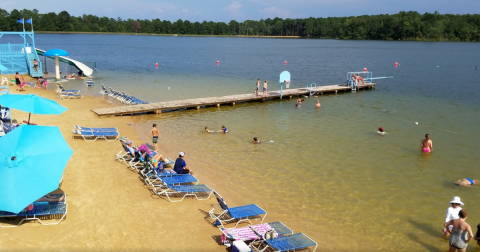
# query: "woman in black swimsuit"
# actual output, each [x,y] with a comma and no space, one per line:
[18,82]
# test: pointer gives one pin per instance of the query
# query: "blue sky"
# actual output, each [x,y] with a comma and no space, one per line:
[240,10]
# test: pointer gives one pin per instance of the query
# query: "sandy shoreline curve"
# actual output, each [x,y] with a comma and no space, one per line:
[109,207]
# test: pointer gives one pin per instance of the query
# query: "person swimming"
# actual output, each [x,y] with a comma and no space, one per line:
[467,182]
[380,131]
[223,130]
[256,141]
[209,131]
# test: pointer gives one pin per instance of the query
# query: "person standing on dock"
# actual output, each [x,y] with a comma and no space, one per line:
[155,135]
[257,87]
[265,88]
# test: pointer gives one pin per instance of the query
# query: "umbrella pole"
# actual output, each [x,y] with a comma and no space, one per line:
[29,118]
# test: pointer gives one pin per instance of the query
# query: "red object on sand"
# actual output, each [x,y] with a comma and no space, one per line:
[25,121]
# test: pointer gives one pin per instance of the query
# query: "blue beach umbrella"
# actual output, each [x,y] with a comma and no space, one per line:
[55,53]
[32,103]
[32,160]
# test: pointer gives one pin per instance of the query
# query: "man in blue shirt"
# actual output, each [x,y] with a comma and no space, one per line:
[180,166]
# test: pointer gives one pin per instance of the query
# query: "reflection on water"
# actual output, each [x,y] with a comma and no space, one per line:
[326,173]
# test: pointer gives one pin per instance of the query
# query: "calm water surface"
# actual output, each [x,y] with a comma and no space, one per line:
[325,173]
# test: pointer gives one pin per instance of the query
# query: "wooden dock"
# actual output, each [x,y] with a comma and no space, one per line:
[159,107]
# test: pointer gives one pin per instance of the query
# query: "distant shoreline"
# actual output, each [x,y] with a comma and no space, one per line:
[171,35]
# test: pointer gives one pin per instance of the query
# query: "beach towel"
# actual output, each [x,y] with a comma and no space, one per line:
[144,147]
[244,233]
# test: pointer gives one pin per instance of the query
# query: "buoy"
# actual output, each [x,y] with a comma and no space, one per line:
[364,69]
[156,64]
[285,62]
[218,62]
[168,88]
[396,63]
[416,123]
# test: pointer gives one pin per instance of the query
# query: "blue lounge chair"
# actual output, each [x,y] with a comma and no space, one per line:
[91,136]
[104,90]
[283,243]
[61,90]
[41,211]
[157,179]
[95,129]
[4,90]
[185,190]
[70,96]
[90,83]
[240,213]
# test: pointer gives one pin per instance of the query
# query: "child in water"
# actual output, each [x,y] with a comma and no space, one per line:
[381,132]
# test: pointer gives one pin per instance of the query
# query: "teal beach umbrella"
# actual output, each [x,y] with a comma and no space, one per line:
[32,161]
[32,104]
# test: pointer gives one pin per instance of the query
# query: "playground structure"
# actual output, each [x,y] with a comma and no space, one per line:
[20,57]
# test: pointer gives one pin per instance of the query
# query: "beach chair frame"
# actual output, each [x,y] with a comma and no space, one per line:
[92,136]
[41,211]
[66,96]
[185,190]
[284,243]
[221,213]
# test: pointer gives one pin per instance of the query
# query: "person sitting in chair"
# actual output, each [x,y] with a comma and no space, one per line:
[180,166]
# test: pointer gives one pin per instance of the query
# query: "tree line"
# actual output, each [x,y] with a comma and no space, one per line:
[401,26]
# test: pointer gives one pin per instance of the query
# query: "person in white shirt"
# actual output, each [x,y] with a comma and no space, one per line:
[452,213]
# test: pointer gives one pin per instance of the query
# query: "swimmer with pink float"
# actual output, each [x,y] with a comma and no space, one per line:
[426,144]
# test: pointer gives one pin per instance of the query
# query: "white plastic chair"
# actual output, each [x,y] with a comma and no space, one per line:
[4,80]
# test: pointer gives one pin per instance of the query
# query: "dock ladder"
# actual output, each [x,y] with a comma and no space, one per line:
[312,88]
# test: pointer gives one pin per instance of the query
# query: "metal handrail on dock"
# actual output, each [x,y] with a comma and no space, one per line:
[160,107]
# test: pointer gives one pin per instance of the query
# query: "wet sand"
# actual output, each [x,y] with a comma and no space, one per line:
[109,207]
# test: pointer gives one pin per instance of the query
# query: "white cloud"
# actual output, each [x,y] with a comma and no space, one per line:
[235,9]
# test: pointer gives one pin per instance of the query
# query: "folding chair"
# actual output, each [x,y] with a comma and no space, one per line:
[70,96]
[185,190]
[246,233]
[91,136]
[95,129]
[285,243]
[240,213]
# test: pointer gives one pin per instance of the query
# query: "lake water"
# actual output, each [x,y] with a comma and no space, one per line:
[325,173]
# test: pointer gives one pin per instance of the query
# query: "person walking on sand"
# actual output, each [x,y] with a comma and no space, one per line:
[458,238]
[155,135]
[318,105]
[18,82]
[426,144]
[452,213]
[257,87]
[265,88]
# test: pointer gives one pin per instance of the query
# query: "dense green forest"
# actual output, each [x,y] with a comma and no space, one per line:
[402,26]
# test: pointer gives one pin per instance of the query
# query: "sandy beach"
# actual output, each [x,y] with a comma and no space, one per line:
[109,207]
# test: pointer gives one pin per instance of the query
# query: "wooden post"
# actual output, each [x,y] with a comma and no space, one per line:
[198,107]
[321,93]
[218,105]
[336,91]
[290,97]
[158,111]
[233,103]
